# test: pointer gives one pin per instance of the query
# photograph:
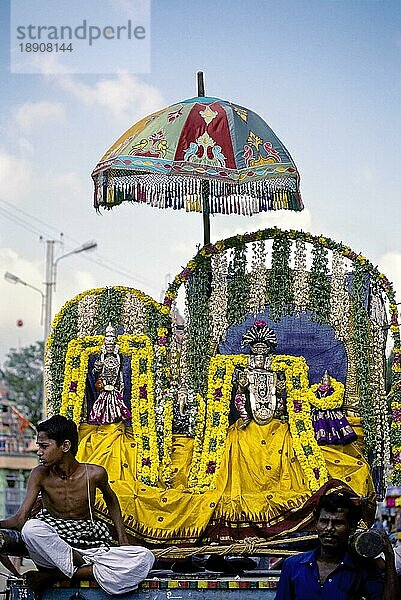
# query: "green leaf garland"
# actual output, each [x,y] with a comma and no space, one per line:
[238,286]
[280,282]
[198,341]
[109,309]
[362,347]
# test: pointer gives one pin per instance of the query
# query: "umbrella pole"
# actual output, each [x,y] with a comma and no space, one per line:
[205,184]
[205,212]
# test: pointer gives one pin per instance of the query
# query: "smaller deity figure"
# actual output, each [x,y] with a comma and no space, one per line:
[185,409]
[330,424]
[109,406]
[259,392]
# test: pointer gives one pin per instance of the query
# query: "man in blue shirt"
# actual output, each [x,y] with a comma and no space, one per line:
[331,572]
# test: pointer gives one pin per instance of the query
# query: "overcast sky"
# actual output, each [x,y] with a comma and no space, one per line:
[325,75]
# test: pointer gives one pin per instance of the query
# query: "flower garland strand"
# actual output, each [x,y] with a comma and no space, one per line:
[216,422]
[301,283]
[363,367]
[238,286]
[175,347]
[109,308]
[340,308]
[164,399]
[48,383]
[198,342]
[87,315]
[193,476]
[258,279]
[380,407]
[319,284]
[133,313]
[57,346]
[218,298]
[281,294]
[140,349]
[299,397]
[335,400]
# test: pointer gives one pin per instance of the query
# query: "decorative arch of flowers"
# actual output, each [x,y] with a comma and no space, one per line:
[78,332]
[228,280]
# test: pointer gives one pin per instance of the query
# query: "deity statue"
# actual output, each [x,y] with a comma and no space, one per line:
[259,392]
[330,424]
[109,407]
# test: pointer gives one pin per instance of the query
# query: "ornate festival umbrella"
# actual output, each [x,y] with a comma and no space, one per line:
[203,154]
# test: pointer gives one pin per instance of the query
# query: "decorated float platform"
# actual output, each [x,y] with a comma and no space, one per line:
[268,376]
[189,456]
[203,460]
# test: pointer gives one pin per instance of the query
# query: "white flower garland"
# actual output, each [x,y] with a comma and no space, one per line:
[48,383]
[175,346]
[380,398]
[133,314]
[301,278]
[258,278]
[341,321]
[218,298]
[87,312]
[340,307]
[183,364]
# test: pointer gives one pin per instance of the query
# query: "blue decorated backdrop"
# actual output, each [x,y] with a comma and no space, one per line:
[297,335]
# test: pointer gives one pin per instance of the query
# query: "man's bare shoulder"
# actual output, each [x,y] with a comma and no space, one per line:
[96,472]
[39,474]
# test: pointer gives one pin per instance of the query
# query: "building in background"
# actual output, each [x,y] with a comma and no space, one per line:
[17,454]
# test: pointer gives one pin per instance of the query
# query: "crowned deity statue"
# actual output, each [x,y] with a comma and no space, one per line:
[259,392]
[109,406]
[330,424]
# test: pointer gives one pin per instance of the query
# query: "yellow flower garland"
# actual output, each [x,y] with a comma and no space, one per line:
[166,468]
[396,368]
[335,400]
[79,351]
[198,445]
[216,424]
[209,450]
[142,404]
[299,396]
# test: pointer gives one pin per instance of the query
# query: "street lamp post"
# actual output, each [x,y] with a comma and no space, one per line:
[11,278]
[49,286]
[51,276]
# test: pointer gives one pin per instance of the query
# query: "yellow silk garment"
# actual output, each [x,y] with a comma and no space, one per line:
[260,479]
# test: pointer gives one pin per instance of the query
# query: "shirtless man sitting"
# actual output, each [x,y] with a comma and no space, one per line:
[64,539]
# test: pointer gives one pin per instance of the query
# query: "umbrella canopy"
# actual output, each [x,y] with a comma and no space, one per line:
[196,151]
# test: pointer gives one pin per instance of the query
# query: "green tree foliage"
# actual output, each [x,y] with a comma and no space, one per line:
[22,373]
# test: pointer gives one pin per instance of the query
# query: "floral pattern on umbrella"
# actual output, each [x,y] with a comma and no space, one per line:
[196,149]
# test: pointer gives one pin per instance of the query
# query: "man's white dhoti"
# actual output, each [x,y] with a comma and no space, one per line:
[117,570]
